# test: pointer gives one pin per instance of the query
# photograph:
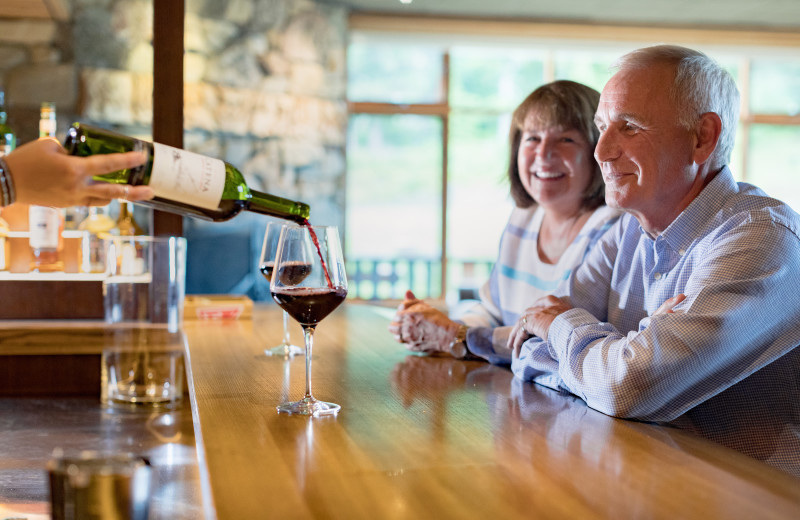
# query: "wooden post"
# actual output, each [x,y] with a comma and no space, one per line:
[168,20]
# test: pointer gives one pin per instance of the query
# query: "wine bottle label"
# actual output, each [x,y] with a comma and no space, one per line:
[47,128]
[44,226]
[187,177]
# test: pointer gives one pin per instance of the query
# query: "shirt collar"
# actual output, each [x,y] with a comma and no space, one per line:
[691,222]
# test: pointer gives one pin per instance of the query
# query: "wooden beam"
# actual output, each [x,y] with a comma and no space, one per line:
[434,109]
[543,30]
[23,9]
[168,29]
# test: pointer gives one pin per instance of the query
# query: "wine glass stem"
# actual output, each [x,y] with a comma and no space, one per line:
[308,333]
[286,339]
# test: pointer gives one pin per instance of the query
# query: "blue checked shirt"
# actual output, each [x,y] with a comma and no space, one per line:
[724,365]
[519,278]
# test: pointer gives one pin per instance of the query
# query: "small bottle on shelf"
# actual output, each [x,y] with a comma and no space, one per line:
[126,224]
[46,223]
[4,245]
[47,120]
[73,216]
[98,225]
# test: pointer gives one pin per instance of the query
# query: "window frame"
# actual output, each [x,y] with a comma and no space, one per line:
[447,32]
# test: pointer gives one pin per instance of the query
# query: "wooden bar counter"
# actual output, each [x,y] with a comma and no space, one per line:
[50,398]
[421,437]
[418,437]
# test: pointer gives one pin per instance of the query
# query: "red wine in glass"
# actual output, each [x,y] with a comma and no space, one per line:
[266,270]
[285,349]
[309,305]
[301,290]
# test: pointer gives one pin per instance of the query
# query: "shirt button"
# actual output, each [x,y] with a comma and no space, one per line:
[681,252]
[657,276]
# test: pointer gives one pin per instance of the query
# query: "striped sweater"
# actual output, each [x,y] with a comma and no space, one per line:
[519,278]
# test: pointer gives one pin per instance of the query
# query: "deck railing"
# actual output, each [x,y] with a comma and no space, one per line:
[388,279]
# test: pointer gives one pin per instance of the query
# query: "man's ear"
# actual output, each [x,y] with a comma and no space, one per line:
[707,132]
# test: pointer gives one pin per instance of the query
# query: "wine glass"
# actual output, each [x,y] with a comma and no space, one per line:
[266,264]
[309,282]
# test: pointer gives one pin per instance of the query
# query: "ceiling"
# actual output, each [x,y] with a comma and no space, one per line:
[773,14]
[756,14]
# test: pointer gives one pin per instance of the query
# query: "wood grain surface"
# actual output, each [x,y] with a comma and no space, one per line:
[428,437]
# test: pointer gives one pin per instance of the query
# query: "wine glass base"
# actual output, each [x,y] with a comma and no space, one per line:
[309,406]
[285,350]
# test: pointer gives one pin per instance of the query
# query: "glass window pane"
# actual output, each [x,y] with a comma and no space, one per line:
[737,155]
[588,67]
[478,203]
[775,86]
[392,73]
[393,212]
[773,159]
[492,77]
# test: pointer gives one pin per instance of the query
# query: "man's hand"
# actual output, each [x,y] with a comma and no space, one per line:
[669,304]
[421,327]
[535,321]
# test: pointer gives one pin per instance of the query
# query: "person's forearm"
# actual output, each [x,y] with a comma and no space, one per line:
[489,343]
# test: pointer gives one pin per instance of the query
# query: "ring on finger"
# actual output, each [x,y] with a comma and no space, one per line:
[124,192]
[524,321]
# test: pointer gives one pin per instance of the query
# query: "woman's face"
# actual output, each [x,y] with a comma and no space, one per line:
[555,165]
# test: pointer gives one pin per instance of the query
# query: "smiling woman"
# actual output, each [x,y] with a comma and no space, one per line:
[560,215]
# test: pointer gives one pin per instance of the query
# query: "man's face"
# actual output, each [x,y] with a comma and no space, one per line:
[645,155]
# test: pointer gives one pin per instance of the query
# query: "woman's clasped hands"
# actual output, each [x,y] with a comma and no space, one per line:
[421,327]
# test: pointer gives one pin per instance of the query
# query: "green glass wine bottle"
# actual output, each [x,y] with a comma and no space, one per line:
[8,140]
[184,182]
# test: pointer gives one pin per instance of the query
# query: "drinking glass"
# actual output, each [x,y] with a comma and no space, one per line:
[266,265]
[309,282]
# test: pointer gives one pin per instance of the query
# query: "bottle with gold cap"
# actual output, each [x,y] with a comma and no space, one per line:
[98,226]
[126,223]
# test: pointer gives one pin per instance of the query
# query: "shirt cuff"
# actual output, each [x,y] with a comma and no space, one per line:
[481,342]
[562,328]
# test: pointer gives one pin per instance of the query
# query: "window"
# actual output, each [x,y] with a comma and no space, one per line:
[427,195]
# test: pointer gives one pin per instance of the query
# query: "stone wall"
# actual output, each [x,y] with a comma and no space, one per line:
[264,86]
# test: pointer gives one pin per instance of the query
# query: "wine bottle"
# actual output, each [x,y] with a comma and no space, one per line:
[185,183]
